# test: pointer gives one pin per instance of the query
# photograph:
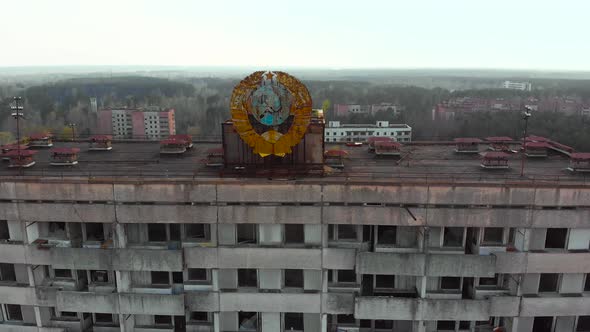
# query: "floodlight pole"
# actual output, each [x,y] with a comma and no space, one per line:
[17,115]
[73,126]
[525,116]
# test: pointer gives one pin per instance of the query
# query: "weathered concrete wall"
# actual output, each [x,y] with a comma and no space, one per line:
[87,302]
[25,295]
[420,309]
[338,303]
[270,302]
[202,301]
[269,214]
[555,306]
[151,304]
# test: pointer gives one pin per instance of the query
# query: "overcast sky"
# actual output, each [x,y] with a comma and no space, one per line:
[510,34]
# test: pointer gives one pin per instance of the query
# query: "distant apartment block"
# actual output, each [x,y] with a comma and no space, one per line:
[525,86]
[347,109]
[337,132]
[149,123]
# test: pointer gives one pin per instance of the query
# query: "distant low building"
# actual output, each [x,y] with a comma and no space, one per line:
[524,86]
[342,110]
[148,123]
[337,132]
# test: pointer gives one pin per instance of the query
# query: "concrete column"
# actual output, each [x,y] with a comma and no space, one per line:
[324,323]
[127,322]
[216,326]
[271,321]
[419,326]
[421,286]
[214,279]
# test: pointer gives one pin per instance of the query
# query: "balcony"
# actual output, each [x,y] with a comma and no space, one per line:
[151,304]
[564,305]
[261,258]
[381,307]
[87,302]
[270,302]
[20,327]
[25,295]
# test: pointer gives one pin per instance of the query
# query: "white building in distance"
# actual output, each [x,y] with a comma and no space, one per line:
[337,132]
[524,86]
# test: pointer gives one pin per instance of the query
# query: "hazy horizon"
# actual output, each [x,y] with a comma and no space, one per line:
[424,34]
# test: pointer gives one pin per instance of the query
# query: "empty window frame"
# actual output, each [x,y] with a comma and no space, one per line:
[162,320]
[293,278]
[199,316]
[543,324]
[493,235]
[103,318]
[4,233]
[13,312]
[248,321]
[62,273]
[384,324]
[68,314]
[384,281]
[99,276]
[199,275]
[294,234]
[94,232]
[7,272]
[464,325]
[293,321]
[157,233]
[196,231]
[342,276]
[445,325]
[583,324]
[453,236]
[57,230]
[247,233]
[346,319]
[450,283]
[386,235]
[343,232]
[548,282]
[247,278]
[489,282]
[174,232]
[556,238]
[587,283]
[160,277]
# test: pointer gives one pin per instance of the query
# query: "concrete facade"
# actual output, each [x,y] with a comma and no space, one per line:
[243,255]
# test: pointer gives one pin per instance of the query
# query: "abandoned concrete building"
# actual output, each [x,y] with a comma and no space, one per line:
[127,240]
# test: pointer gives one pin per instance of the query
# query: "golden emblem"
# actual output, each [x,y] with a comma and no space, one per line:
[270,111]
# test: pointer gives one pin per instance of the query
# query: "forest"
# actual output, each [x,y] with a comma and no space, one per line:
[202,103]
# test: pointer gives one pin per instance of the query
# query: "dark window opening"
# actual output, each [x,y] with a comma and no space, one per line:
[197,274]
[294,278]
[450,283]
[195,231]
[587,283]
[4,233]
[7,272]
[386,234]
[348,276]
[493,235]
[62,273]
[160,278]
[489,281]
[542,324]
[99,276]
[94,232]
[177,278]
[556,238]
[156,232]
[294,233]
[247,278]
[453,237]
[14,312]
[162,320]
[384,324]
[57,229]
[347,232]
[346,319]
[445,325]
[384,281]
[246,233]
[199,316]
[464,325]
[174,232]
[68,314]
[248,321]
[293,321]
[548,282]
[583,324]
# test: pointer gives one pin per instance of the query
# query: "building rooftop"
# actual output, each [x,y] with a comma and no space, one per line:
[418,161]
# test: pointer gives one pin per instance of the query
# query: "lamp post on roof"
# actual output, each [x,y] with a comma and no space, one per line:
[17,114]
[73,127]
[525,116]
